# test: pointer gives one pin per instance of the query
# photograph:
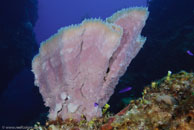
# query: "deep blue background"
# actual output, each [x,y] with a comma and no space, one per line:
[54,14]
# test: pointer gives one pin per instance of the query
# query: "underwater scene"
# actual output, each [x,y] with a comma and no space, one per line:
[97,64]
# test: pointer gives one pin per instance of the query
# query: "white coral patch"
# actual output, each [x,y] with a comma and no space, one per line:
[52,115]
[61,52]
[72,107]
[58,107]
[69,50]
[45,66]
[63,95]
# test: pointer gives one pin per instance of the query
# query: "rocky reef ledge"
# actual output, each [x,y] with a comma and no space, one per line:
[166,104]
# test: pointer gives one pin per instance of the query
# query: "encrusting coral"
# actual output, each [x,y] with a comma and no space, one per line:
[167,104]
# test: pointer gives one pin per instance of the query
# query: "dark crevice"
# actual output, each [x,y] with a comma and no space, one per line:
[81,45]
[108,69]
[81,91]
[60,109]
[76,76]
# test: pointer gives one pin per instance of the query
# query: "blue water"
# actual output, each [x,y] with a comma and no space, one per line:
[59,13]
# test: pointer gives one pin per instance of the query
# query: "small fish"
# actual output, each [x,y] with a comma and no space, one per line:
[95,104]
[189,52]
[125,90]
[105,108]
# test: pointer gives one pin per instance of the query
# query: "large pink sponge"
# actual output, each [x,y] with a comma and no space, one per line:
[78,68]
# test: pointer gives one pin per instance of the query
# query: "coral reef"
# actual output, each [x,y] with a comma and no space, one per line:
[78,68]
[166,104]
